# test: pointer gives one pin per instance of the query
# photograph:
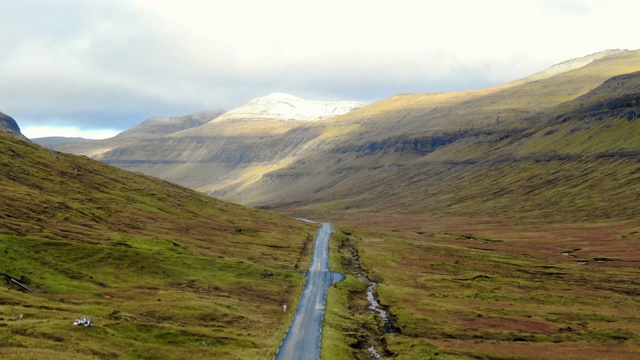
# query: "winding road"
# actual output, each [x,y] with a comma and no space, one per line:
[302,340]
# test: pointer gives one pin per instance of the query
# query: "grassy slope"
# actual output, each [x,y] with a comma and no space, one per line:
[381,144]
[554,163]
[578,162]
[165,272]
[414,115]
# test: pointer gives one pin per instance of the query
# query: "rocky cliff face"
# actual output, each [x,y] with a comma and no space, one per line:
[9,125]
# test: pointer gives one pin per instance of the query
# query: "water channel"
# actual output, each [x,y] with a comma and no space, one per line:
[374,304]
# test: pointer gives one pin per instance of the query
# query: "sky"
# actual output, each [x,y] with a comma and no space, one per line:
[93,68]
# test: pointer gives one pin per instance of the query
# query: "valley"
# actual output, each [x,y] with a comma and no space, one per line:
[161,270]
[497,223]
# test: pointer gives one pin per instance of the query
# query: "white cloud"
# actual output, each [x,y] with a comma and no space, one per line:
[84,63]
[34,132]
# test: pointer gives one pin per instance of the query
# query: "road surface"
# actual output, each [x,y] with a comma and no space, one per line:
[302,340]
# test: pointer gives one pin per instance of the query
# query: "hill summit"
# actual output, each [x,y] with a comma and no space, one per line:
[279,106]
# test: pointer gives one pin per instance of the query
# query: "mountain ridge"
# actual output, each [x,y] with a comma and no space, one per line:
[286,107]
[52,142]
[308,164]
[153,127]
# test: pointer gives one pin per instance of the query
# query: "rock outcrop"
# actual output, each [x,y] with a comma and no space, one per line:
[9,125]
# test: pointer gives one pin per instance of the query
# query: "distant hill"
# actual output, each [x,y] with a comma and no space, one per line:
[216,152]
[52,142]
[162,270]
[275,113]
[150,128]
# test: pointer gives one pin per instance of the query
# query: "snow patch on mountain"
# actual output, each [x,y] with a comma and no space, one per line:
[291,108]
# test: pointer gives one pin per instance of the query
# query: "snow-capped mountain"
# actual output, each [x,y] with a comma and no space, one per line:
[286,107]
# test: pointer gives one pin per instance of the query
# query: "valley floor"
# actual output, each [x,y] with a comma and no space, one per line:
[486,289]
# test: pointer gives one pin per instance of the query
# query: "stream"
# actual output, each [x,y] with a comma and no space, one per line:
[374,304]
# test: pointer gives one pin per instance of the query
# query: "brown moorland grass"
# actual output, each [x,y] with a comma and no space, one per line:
[486,288]
[164,272]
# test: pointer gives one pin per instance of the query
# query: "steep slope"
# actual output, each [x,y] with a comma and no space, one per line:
[153,127]
[577,161]
[428,115]
[161,270]
[394,135]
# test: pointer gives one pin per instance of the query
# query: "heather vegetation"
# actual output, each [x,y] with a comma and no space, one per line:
[470,288]
[162,271]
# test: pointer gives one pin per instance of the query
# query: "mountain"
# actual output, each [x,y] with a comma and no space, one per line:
[152,127]
[160,269]
[265,115]
[287,107]
[525,150]
[10,126]
[577,161]
[332,161]
[52,142]
[414,146]
[262,131]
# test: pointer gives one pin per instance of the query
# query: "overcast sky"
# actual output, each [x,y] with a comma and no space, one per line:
[94,68]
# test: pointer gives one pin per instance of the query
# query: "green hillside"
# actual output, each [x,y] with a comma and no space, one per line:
[575,159]
[514,241]
[163,271]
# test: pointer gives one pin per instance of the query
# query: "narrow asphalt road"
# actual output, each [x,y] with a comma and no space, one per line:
[302,340]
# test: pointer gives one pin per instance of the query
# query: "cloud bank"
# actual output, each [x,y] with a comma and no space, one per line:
[91,64]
